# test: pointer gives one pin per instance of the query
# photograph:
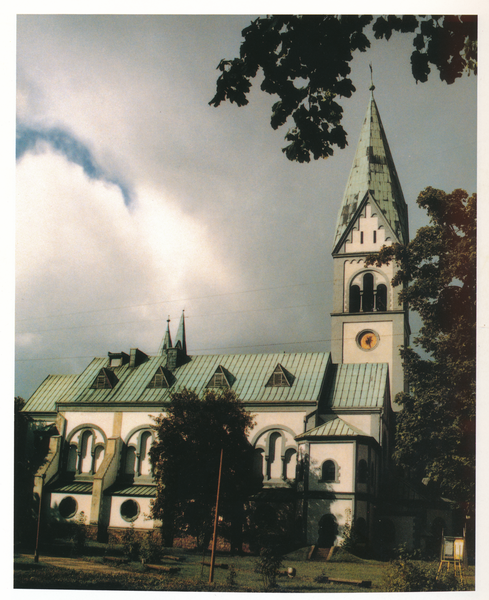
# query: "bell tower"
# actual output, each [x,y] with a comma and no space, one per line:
[369,325]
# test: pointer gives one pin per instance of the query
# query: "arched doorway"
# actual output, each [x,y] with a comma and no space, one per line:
[327,531]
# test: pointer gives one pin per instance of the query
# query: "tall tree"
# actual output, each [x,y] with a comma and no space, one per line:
[305,61]
[435,432]
[185,460]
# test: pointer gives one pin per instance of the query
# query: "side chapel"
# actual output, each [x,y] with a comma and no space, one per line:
[324,420]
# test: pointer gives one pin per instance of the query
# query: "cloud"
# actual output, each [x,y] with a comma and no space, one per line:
[82,256]
[30,139]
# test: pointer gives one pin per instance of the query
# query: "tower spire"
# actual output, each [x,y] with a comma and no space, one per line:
[372,86]
[180,340]
[166,343]
[373,178]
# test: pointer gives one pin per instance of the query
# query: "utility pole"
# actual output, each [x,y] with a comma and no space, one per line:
[36,552]
[216,518]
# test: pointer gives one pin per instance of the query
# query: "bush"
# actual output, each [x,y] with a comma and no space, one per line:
[268,565]
[78,534]
[413,576]
[232,577]
[130,544]
[150,549]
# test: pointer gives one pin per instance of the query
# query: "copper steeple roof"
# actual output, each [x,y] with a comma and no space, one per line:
[373,176]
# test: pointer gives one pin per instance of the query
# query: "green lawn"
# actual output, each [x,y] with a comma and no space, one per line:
[192,577]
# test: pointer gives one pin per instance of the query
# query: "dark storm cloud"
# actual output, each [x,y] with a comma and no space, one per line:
[30,139]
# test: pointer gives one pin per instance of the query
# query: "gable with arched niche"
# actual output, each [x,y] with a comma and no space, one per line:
[367,290]
[135,461]
[275,454]
[86,446]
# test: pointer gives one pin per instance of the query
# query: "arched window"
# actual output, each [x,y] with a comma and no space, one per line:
[258,462]
[71,462]
[381,297]
[368,293]
[354,305]
[136,461]
[365,295]
[86,452]
[328,471]
[130,465]
[362,473]
[274,460]
[290,464]
[145,444]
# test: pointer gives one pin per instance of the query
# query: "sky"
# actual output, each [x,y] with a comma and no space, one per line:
[136,200]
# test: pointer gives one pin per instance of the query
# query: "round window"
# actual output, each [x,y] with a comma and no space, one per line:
[68,507]
[129,510]
[368,339]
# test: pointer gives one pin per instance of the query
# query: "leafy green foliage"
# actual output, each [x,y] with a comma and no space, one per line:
[185,460]
[435,434]
[415,576]
[78,534]
[305,61]
[150,549]
[268,565]
[131,543]
[29,454]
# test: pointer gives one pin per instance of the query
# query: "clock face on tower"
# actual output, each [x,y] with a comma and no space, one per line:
[368,340]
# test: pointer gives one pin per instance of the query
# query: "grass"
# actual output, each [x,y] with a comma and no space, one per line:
[192,577]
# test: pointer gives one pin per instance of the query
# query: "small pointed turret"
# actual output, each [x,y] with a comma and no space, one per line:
[166,343]
[373,177]
[180,340]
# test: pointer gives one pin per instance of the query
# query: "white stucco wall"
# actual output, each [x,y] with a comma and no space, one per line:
[83,501]
[142,521]
[343,454]
[368,224]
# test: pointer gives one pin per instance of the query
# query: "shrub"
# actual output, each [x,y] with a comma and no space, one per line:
[130,543]
[150,549]
[78,534]
[413,576]
[268,565]
[232,576]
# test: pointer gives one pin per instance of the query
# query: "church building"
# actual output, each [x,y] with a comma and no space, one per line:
[324,420]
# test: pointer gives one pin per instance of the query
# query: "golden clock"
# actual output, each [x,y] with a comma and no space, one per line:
[367,340]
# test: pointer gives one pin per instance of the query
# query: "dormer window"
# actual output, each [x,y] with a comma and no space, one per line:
[160,379]
[105,380]
[280,378]
[222,378]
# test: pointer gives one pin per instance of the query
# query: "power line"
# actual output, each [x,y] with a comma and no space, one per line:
[142,321]
[196,350]
[95,310]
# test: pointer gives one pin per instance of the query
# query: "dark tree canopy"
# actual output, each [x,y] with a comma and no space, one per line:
[435,436]
[185,459]
[305,61]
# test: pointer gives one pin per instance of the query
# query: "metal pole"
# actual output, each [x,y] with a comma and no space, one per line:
[36,552]
[216,517]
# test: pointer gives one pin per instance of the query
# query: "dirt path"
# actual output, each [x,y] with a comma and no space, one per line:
[78,564]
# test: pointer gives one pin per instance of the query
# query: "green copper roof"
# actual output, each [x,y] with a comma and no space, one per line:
[373,175]
[122,489]
[357,386]
[81,487]
[248,373]
[334,426]
[53,389]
